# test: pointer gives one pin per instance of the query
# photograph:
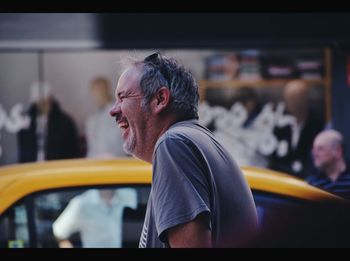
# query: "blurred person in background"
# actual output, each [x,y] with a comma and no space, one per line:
[299,136]
[333,172]
[97,215]
[102,136]
[52,133]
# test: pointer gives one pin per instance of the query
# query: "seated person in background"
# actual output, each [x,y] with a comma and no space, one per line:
[97,215]
[52,133]
[333,173]
[298,137]
[103,138]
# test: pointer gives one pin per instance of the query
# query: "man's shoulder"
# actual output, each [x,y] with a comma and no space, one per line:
[345,176]
[312,178]
[181,131]
[318,179]
[171,137]
[89,196]
[64,118]
[188,127]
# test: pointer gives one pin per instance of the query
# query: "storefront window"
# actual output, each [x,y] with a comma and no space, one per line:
[243,100]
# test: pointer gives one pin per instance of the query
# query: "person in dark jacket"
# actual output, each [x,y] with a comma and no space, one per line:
[296,157]
[52,133]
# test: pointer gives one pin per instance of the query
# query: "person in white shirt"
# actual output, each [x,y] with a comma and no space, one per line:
[103,139]
[97,215]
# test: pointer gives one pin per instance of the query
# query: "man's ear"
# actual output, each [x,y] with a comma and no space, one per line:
[161,100]
[339,152]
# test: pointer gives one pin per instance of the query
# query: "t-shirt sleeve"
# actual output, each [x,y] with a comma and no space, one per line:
[180,189]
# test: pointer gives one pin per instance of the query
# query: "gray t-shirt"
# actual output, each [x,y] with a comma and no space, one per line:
[194,174]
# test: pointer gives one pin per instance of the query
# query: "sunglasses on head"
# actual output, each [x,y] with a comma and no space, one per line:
[156,60]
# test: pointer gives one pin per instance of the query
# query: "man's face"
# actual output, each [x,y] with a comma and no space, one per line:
[44,104]
[130,116]
[324,153]
[296,98]
[99,93]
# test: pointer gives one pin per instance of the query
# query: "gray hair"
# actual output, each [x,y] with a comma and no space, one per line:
[159,71]
[337,139]
[333,137]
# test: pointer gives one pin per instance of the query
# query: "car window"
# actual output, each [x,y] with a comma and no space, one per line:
[100,217]
[91,217]
[14,227]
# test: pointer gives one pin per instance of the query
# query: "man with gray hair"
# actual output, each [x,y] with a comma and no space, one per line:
[329,159]
[199,196]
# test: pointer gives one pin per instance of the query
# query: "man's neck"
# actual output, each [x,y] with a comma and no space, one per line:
[336,170]
[161,126]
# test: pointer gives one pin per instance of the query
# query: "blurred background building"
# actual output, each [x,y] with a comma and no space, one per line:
[226,52]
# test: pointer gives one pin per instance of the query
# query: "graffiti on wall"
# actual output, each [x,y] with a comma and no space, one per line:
[248,145]
[13,121]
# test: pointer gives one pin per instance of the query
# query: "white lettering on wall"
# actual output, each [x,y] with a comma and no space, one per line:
[14,121]
[248,145]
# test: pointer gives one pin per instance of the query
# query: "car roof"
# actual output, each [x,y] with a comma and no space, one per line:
[20,180]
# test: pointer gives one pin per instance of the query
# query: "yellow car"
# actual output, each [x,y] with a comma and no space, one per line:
[33,197]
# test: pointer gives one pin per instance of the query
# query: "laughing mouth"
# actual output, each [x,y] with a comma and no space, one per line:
[124,126]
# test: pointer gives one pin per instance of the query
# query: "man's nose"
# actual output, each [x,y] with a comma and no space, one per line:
[115,110]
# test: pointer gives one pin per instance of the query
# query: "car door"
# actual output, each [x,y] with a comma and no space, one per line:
[287,221]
